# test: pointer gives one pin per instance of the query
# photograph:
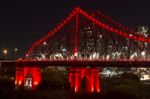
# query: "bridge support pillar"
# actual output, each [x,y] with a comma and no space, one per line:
[97,80]
[27,77]
[88,77]
[71,77]
[77,79]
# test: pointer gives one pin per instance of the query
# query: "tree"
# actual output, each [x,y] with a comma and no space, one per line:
[130,76]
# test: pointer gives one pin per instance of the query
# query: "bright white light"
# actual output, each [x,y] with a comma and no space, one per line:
[28,82]
[27,55]
[5,51]
[36,83]
[100,36]
[16,49]
[130,35]
[43,56]
[106,72]
[64,50]
[143,53]
[134,55]
[76,54]
[108,56]
[58,56]
[38,58]
[116,54]
[44,43]
[19,82]
[94,55]
[145,77]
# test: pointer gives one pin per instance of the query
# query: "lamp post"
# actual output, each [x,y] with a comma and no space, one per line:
[16,49]
[5,52]
[15,53]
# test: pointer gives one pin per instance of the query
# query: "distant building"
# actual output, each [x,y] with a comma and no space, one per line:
[143,72]
[143,30]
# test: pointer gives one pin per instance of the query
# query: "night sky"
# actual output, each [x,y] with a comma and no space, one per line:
[22,22]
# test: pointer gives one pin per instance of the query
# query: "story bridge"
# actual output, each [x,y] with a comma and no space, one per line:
[83,39]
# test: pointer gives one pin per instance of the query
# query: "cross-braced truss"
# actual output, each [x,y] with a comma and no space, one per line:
[83,36]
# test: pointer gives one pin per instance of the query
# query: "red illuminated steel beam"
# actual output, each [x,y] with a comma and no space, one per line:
[78,11]
[114,30]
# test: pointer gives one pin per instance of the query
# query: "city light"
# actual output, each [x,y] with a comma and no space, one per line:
[35,83]
[5,51]
[27,55]
[20,82]
[44,43]
[92,46]
[16,49]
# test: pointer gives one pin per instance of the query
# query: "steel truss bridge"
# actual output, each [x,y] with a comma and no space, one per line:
[84,39]
[79,63]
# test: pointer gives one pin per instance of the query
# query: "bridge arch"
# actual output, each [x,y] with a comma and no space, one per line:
[137,40]
[81,36]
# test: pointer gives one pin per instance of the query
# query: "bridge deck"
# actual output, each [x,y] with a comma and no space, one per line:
[79,63]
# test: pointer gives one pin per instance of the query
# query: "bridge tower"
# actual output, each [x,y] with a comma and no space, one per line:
[79,76]
[27,78]
[84,79]
[88,37]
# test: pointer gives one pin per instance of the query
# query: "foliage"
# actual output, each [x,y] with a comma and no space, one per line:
[53,80]
[130,76]
[128,84]
[54,86]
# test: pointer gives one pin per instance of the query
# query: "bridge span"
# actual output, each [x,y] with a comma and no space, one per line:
[83,39]
[78,63]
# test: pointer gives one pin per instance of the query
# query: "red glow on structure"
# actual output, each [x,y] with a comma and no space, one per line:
[76,34]
[21,74]
[20,82]
[105,26]
[71,80]
[76,75]
[77,79]
[76,13]
[36,83]
[83,72]
[50,34]
[97,82]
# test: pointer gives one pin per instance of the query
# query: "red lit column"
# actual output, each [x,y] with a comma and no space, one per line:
[97,80]
[89,83]
[19,76]
[83,72]
[75,82]
[71,78]
[92,80]
[76,34]
[93,83]
[77,79]
[36,72]
[22,72]
[16,77]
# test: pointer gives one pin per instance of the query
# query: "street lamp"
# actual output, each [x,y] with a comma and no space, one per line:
[15,53]
[16,49]
[5,52]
